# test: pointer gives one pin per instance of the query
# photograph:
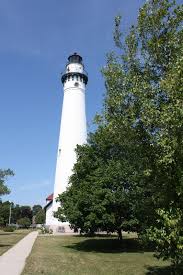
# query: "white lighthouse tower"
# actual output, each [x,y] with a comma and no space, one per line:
[72,132]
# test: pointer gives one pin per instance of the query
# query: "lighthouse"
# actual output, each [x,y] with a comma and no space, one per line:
[72,132]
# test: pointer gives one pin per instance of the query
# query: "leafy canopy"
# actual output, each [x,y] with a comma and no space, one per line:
[24,222]
[132,164]
[3,177]
[40,217]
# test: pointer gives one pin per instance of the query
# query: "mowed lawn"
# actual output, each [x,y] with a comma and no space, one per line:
[74,255]
[8,239]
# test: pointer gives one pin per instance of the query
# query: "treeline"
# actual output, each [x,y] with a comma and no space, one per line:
[11,213]
[23,215]
[129,176]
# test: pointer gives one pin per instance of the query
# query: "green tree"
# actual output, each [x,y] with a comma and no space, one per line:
[137,148]
[36,208]
[40,217]
[3,177]
[16,213]
[26,211]
[1,221]
[4,212]
[4,207]
[167,234]
[144,101]
[24,222]
[98,197]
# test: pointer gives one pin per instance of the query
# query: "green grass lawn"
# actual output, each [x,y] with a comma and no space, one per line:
[73,255]
[8,239]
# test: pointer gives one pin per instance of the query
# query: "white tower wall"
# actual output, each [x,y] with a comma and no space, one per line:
[72,130]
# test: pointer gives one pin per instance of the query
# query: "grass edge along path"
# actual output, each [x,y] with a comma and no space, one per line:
[9,239]
[75,255]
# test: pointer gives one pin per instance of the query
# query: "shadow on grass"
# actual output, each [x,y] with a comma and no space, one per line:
[108,246]
[10,233]
[97,235]
[5,233]
[5,245]
[164,270]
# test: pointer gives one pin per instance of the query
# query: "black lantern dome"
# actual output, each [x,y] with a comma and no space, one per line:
[75,58]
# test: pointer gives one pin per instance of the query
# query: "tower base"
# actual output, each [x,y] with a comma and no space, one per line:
[54,224]
[61,228]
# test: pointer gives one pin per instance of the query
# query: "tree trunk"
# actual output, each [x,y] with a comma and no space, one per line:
[91,233]
[120,235]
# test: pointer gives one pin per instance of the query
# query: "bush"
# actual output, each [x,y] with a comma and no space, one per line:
[24,222]
[9,228]
[46,230]
[167,234]
[40,217]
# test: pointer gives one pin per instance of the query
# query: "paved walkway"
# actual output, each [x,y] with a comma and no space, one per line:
[12,262]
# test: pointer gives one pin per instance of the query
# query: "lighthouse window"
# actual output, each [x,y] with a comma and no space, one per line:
[76,84]
[72,77]
[68,78]
[77,77]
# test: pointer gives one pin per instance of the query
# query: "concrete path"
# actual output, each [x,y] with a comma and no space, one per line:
[12,262]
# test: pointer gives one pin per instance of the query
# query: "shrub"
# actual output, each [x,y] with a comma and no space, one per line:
[40,217]
[24,222]
[167,234]
[46,230]
[9,228]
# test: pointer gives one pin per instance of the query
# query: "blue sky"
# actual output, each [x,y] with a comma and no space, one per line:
[36,38]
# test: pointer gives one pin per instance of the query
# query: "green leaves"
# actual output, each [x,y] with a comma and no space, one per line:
[3,177]
[117,32]
[168,235]
[133,164]
[143,110]
[98,195]
[24,222]
[40,217]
